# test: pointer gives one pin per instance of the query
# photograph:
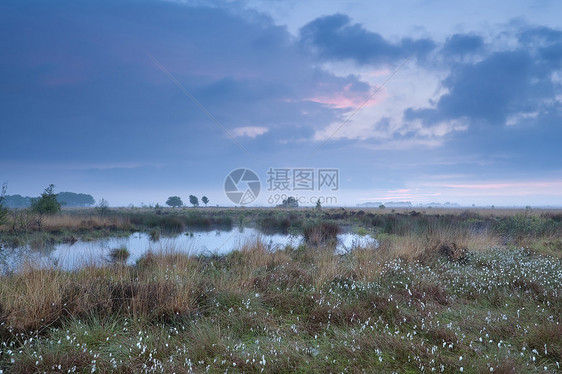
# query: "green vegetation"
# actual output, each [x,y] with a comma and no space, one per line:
[174,201]
[67,199]
[290,202]
[320,233]
[318,205]
[46,204]
[361,231]
[205,200]
[103,207]
[193,200]
[75,199]
[17,201]
[3,209]
[119,255]
[278,222]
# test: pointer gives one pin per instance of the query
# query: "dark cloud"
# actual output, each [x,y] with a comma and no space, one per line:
[552,55]
[336,38]
[81,97]
[83,72]
[489,90]
[463,44]
[500,86]
[539,35]
[509,102]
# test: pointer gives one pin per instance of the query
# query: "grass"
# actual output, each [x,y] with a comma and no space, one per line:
[320,232]
[446,295]
[119,255]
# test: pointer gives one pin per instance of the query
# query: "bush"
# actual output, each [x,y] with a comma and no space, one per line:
[47,203]
[279,224]
[155,234]
[3,209]
[119,255]
[319,233]
[103,207]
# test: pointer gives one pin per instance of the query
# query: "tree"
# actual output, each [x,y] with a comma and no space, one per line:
[174,201]
[75,199]
[103,207]
[3,209]
[290,202]
[205,200]
[46,204]
[194,200]
[17,201]
[318,205]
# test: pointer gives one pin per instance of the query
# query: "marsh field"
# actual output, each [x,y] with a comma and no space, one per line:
[443,290]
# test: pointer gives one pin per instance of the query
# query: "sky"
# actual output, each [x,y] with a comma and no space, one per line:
[344,101]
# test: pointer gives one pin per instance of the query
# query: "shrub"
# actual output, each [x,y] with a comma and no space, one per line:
[47,203]
[119,255]
[155,234]
[319,233]
[3,209]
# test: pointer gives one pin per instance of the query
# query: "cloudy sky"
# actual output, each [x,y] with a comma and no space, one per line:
[410,100]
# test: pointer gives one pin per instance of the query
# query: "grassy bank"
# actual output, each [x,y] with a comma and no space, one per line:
[440,294]
[537,228]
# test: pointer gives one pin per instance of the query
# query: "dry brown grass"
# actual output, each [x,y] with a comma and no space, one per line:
[91,222]
[326,267]
[448,241]
[366,264]
[32,297]
[163,285]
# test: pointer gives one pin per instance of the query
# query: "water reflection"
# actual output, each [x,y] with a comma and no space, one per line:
[73,256]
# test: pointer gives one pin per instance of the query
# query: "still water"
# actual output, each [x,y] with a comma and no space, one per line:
[73,256]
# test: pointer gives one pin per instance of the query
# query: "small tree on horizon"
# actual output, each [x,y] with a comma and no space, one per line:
[205,200]
[194,200]
[46,204]
[174,201]
[3,209]
[290,202]
[103,207]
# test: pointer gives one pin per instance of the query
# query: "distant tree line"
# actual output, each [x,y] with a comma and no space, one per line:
[175,201]
[69,199]
[75,199]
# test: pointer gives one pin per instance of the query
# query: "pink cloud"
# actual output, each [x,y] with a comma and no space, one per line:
[492,186]
[404,190]
[349,99]
[500,191]
[378,73]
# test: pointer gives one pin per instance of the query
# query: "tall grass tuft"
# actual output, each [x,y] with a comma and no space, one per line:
[119,255]
[320,233]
